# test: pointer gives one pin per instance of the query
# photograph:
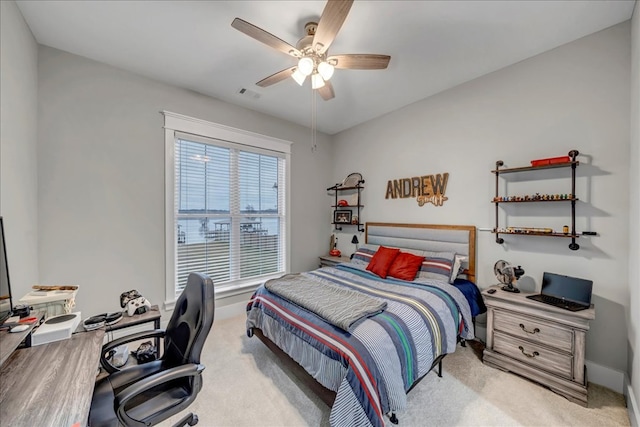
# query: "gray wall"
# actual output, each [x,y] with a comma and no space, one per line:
[633,317]
[575,96]
[18,147]
[101,177]
[91,188]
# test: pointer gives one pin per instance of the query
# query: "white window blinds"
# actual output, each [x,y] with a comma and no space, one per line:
[229,211]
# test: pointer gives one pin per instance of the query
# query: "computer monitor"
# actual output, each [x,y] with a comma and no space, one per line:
[6,301]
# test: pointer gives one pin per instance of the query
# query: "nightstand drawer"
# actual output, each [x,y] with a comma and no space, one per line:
[533,354]
[332,261]
[530,329]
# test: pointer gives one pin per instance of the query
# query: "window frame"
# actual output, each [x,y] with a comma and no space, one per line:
[177,123]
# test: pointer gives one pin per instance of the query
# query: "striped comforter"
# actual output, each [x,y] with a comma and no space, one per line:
[372,366]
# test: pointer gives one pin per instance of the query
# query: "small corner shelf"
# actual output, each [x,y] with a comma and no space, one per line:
[529,231]
[354,208]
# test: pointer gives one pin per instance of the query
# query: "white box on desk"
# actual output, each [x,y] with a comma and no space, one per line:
[51,331]
[53,303]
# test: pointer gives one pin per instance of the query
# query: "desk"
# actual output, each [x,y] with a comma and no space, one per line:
[152,315]
[9,341]
[51,384]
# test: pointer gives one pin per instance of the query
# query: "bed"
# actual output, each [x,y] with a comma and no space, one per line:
[361,342]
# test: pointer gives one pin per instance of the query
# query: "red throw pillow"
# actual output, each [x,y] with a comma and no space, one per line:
[405,266]
[382,260]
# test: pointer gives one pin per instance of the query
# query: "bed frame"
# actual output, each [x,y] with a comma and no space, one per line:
[460,239]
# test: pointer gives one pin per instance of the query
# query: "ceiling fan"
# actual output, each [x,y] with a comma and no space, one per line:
[311,51]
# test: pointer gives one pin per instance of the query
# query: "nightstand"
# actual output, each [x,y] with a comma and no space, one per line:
[331,261]
[538,341]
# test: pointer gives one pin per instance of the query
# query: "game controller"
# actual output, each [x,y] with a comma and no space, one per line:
[138,306]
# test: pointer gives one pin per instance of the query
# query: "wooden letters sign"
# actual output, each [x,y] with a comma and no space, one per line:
[426,189]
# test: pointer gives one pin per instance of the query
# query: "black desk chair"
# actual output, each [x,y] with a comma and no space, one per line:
[146,394]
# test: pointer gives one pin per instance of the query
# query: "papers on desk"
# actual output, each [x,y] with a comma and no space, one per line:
[39,297]
[54,302]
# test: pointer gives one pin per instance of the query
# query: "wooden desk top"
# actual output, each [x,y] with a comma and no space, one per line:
[9,341]
[151,315]
[51,384]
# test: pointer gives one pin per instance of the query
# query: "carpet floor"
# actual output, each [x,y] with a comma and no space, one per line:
[244,385]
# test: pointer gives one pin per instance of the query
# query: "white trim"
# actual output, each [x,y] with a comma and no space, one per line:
[173,123]
[179,122]
[605,376]
[169,305]
[169,201]
[247,288]
[632,405]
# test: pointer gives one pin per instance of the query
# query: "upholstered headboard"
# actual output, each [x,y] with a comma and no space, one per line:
[460,239]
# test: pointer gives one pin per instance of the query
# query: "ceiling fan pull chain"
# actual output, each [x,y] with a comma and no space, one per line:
[313,121]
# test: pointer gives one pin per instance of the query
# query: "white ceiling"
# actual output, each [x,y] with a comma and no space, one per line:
[434,45]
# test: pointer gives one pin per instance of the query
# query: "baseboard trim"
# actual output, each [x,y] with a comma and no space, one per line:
[632,405]
[605,376]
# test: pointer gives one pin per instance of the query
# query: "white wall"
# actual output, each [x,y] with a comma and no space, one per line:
[633,317]
[18,143]
[101,178]
[573,97]
[89,191]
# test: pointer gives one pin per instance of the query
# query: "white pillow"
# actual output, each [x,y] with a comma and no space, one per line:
[458,266]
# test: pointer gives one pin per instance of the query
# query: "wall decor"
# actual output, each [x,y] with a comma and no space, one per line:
[425,189]
[342,217]
[348,202]
[536,165]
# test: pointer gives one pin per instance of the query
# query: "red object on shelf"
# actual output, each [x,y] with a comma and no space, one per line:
[334,252]
[550,161]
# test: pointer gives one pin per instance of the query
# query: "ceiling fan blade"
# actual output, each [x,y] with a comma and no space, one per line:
[360,61]
[265,37]
[326,91]
[333,16]
[276,77]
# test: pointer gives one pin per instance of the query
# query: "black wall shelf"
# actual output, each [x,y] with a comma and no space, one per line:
[355,209]
[527,231]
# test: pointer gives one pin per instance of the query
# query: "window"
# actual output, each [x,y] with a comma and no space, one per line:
[226,206]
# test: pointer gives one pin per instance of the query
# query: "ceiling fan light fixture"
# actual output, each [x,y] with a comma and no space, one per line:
[316,81]
[298,77]
[326,70]
[311,52]
[305,65]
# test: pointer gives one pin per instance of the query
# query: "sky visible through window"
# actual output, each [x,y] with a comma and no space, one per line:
[206,188]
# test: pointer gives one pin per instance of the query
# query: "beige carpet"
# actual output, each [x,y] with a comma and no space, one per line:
[245,386]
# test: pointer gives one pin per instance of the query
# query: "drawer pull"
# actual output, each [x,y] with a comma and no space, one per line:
[535,353]
[536,330]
